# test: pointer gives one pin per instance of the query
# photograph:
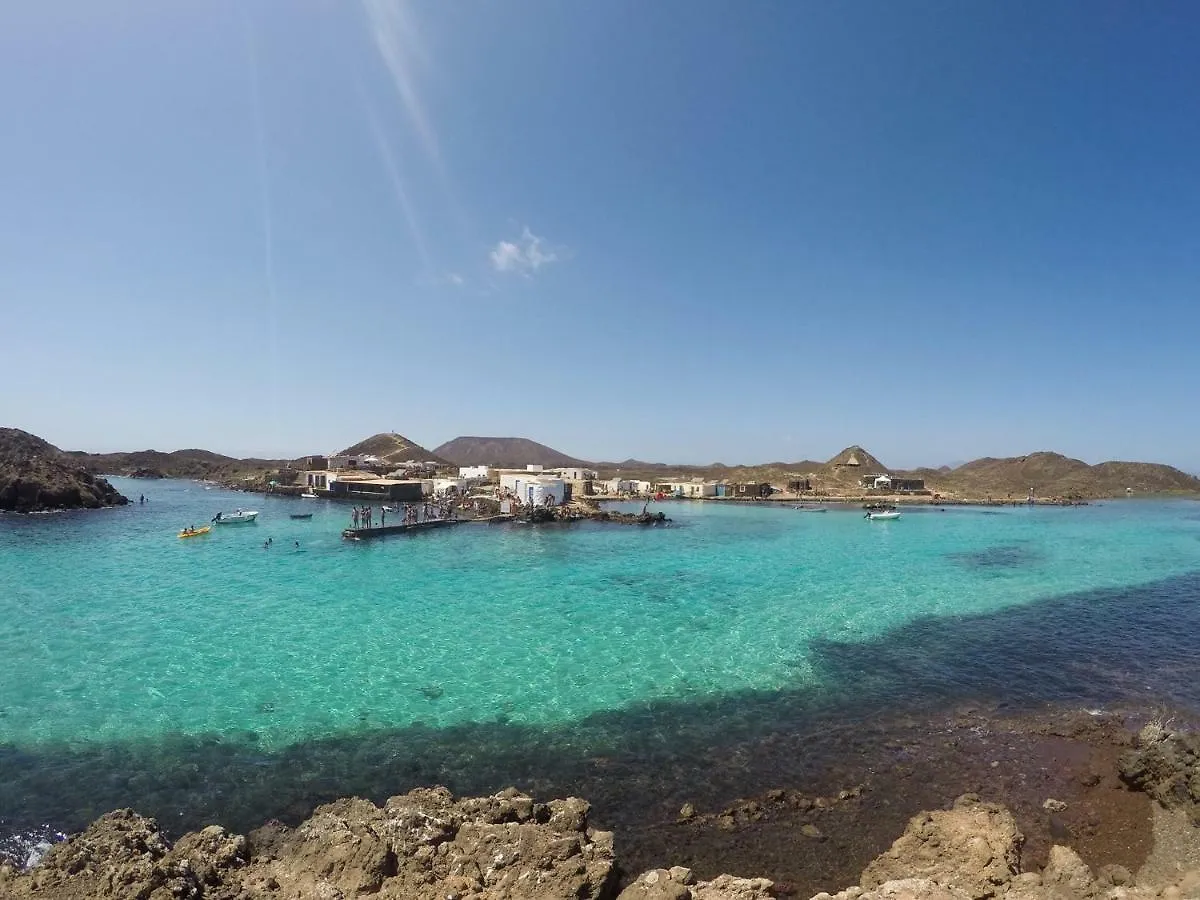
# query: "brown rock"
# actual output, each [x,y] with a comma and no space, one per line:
[1067,874]
[973,848]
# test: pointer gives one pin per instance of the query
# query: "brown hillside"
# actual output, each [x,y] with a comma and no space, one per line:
[191,463]
[35,476]
[394,448]
[1055,475]
[857,461]
[505,452]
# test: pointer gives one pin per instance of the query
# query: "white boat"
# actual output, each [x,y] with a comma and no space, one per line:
[884,514]
[240,517]
[308,496]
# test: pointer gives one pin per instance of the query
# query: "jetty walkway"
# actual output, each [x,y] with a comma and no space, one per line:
[358,534]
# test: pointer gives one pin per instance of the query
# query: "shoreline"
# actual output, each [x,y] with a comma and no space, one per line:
[1056,769]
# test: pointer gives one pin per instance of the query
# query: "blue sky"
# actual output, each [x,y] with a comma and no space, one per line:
[683,230]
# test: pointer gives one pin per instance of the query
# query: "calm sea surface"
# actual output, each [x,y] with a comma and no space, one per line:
[121,644]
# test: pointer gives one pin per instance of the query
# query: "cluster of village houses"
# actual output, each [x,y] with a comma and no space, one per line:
[369,477]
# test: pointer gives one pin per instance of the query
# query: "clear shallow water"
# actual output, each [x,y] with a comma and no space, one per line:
[112,629]
[212,680]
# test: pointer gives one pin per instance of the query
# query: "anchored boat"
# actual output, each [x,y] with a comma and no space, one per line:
[239,517]
[884,515]
[300,516]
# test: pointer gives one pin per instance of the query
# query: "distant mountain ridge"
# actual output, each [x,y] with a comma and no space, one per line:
[190,463]
[1048,474]
[505,452]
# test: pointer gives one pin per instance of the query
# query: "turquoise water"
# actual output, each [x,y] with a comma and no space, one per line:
[111,627]
[236,681]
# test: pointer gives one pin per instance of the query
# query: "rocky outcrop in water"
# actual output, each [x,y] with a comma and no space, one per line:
[35,476]
[1166,765]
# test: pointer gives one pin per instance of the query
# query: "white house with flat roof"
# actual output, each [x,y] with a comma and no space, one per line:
[534,489]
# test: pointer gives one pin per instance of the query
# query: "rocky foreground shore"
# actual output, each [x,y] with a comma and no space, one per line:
[426,845]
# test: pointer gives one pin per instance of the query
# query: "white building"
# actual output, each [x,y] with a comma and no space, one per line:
[575,473]
[443,487]
[535,489]
[361,461]
[473,473]
[692,490]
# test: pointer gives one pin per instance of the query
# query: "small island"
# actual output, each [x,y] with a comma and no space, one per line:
[35,476]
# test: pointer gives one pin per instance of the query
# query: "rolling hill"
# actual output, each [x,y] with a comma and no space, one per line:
[176,464]
[36,476]
[505,452]
[394,448]
[1054,475]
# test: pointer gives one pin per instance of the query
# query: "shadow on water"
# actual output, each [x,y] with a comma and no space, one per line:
[1003,556]
[636,765]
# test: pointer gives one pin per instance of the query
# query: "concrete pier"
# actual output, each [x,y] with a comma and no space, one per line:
[358,534]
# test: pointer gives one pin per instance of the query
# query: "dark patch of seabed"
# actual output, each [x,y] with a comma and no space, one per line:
[639,764]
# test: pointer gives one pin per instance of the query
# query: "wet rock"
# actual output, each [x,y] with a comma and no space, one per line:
[687,812]
[974,848]
[119,855]
[1166,765]
[424,845]
[1052,805]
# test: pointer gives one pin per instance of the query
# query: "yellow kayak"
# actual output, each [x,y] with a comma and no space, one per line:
[195,532]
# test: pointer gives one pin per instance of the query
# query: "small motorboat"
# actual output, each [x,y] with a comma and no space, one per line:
[884,515]
[308,496]
[239,517]
[300,516]
[195,532]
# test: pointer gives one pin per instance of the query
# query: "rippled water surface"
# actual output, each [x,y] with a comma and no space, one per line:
[115,633]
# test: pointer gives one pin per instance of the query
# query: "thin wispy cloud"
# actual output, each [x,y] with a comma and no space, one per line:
[395,178]
[455,279]
[524,256]
[397,41]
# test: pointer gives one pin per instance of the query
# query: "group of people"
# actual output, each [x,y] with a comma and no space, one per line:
[413,514]
[364,516]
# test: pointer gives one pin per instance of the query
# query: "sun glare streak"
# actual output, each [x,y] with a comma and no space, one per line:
[396,40]
[268,217]
[393,172]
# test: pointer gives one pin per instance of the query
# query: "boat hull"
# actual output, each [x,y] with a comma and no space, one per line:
[242,518]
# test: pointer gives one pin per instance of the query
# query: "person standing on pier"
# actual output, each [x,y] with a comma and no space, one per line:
[354,517]
[383,517]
